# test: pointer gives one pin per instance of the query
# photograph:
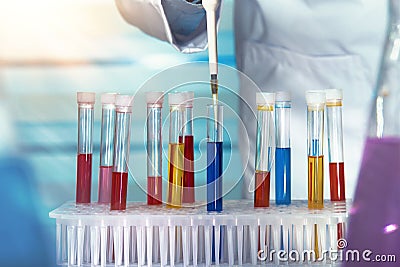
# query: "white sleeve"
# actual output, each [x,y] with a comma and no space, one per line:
[178,22]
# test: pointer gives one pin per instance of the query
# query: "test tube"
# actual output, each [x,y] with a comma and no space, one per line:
[119,186]
[315,131]
[155,101]
[175,150]
[334,99]
[264,144]
[214,157]
[86,102]
[283,106]
[187,139]
[106,146]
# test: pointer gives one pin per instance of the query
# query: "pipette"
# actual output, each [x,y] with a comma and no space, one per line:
[211,6]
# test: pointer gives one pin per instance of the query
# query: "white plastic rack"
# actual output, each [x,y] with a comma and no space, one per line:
[92,235]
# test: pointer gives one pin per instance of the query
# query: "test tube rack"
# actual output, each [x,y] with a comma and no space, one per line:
[92,235]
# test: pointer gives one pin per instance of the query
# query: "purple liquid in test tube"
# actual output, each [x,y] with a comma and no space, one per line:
[105,175]
[106,147]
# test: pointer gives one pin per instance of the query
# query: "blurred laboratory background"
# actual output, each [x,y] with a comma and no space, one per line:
[49,50]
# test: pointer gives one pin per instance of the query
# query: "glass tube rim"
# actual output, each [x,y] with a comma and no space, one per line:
[86,105]
[108,106]
[213,105]
[180,107]
[283,104]
[334,103]
[316,106]
[154,105]
[123,109]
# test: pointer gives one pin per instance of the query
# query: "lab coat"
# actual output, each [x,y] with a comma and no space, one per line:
[287,45]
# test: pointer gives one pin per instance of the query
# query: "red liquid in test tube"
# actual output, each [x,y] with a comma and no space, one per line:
[264,146]
[154,189]
[261,195]
[119,190]
[154,147]
[188,193]
[188,175]
[86,102]
[84,178]
[119,186]
[335,144]
[336,175]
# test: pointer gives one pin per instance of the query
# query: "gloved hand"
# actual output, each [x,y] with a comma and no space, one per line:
[196,2]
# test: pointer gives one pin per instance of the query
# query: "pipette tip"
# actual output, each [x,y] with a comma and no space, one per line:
[214,84]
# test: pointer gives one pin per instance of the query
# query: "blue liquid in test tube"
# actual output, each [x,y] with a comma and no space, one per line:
[214,158]
[282,174]
[282,151]
[214,176]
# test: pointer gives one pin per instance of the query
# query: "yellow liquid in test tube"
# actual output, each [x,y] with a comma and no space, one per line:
[316,242]
[175,175]
[316,182]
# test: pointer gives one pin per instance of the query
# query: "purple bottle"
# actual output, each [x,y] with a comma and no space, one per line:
[374,225]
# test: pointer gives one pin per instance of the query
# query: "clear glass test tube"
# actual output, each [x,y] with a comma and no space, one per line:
[155,102]
[214,157]
[315,132]
[119,186]
[106,146]
[86,102]
[283,106]
[188,141]
[265,143]
[175,150]
[334,105]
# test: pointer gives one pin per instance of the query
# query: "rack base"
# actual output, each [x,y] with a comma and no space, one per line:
[92,235]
